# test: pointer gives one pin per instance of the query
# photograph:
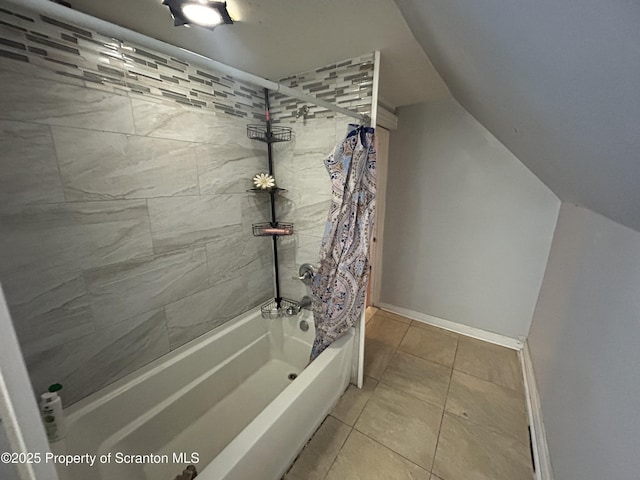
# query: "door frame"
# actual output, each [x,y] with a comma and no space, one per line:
[18,408]
[382,168]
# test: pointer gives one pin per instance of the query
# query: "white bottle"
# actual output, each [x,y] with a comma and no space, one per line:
[52,415]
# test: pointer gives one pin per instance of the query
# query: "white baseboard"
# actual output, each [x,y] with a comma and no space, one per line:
[541,457]
[513,343]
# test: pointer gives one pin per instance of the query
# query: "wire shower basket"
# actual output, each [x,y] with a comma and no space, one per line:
[268,229]
[271,310]
[277,134]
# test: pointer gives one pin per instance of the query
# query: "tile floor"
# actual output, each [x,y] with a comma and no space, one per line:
[435,405]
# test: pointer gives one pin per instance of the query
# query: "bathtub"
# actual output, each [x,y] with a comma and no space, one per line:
[225,400]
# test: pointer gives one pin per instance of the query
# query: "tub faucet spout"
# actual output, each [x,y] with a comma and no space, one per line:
[305,302]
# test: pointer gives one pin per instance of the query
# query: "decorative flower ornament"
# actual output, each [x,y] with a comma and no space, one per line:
[264,181]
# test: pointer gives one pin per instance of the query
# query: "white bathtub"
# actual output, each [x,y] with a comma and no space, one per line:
[225,396]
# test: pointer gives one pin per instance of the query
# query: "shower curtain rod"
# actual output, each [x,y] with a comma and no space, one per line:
[48,7]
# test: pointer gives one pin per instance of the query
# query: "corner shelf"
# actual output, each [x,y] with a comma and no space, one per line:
[269,135]
[272,309]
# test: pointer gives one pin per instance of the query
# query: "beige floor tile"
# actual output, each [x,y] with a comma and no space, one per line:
[394,316]
[490,405]
[469,451]
[316,458]
[403,423]
[430,345]
[362,458]
[490,362]
[377,356]
[353,401]
[386,330]
[433,477]
[369,313]
[418,377]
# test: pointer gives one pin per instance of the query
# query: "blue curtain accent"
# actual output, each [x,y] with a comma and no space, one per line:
[340,285]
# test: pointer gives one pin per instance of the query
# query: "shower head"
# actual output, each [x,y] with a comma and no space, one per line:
[302,111]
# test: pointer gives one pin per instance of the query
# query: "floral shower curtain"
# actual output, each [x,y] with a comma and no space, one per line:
[340,285]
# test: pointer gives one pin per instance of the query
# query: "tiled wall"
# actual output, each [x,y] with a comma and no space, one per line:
[75,55]
[125,228]
[348,84]
[299,165]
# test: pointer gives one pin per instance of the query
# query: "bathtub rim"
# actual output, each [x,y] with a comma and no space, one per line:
[107,393]
[224,462]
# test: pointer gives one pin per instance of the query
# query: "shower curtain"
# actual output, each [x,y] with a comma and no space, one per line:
[340,285]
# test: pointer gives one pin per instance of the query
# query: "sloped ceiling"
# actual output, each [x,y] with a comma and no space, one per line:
[278,38]
[557,82]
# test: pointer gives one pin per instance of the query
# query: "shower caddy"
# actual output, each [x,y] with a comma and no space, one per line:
[271,134]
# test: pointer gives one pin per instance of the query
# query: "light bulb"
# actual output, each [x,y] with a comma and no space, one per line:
[202,14]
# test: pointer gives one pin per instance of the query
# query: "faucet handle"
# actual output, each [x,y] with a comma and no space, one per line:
[306,272]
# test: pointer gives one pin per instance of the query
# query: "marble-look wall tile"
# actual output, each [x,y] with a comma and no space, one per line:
[315,133]
[228,168]
[256,208]
[261,286]
[287,246]
[285,176]
[308,249]
[237,255]
[193,316]
[120,291]
[28,168]
[287,204]
[33,70]
[290,286]
[81,235]
[309,219]
[342,126]
[49,307]
[100,166]
[307,202]
[183,123]
[311,176]
[182,221]
[39,100]
[85,365]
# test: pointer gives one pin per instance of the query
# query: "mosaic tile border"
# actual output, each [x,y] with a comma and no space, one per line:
[80,55]
[348,84]
[83,57]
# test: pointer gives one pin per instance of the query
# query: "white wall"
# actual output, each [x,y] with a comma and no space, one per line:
[468,228]
[585,346]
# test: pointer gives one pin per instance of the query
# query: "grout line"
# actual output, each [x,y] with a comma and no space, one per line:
[395,349]
[57,159]
[399,454]
[133,119]
[444,409]
[339,451]
[166,328]
[493,383]
[425,360]
[448,367]
[368,399]
[485,379]
[428,402]
[154,249]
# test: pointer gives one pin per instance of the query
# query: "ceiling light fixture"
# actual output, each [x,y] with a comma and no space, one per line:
[204,13]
